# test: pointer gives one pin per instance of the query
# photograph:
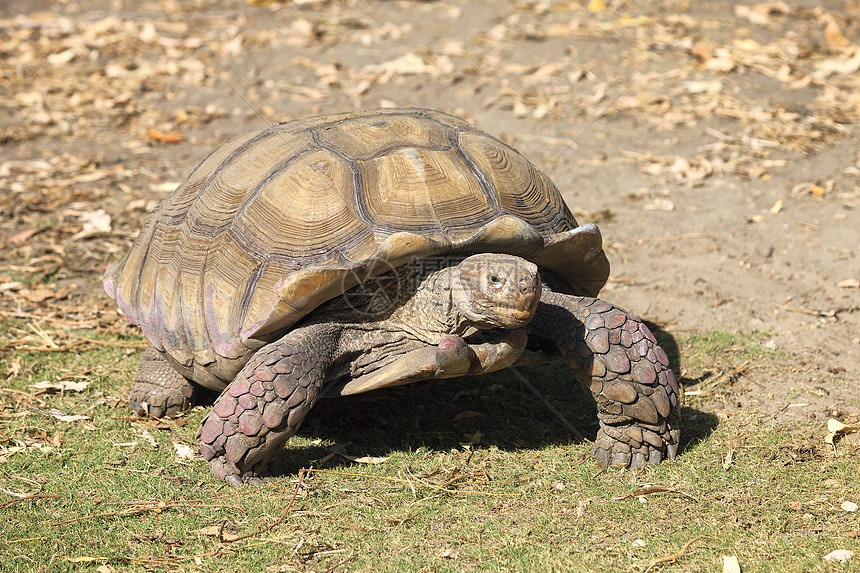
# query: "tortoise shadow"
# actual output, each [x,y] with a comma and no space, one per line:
[696,425]
[441,415]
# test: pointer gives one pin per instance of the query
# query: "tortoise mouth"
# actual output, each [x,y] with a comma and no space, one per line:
[513,319]
[508,314]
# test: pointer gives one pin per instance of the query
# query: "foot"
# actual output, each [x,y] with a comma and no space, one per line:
[159,390]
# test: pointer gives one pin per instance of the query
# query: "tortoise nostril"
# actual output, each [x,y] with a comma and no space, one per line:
[527,286]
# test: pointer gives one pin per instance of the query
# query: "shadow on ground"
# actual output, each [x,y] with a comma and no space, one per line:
[444,414]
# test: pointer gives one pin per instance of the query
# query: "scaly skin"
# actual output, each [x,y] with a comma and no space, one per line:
[266,403]
[618,361]
[268,400]
[158,389]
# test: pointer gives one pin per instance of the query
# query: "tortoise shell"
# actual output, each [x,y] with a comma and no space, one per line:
[277,221]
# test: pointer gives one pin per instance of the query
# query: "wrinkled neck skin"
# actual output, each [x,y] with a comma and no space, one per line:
[430,313]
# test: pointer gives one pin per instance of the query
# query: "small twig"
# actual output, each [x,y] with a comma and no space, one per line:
[785,302]
[66,348]
[675,556]
[682,236]
[140,344]
[23,539]
[140,508]
[823,313]
[80,374]
[599,473]
[740,372]
[338,564]
[27,498]
[417,479]
[42,334]
[409,482]
[650,489]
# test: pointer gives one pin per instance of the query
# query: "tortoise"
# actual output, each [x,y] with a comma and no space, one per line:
[344,253]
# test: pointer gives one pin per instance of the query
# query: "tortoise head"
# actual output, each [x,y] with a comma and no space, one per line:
[496,291]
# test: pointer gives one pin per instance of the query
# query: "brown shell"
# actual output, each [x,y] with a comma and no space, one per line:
[277,221]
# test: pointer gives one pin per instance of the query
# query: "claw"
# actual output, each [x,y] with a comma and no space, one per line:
[620,459]
[672,451]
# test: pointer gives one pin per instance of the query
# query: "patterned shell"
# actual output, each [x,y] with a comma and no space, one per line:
[277,221]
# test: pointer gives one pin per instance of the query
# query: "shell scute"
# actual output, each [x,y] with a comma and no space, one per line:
[363,138]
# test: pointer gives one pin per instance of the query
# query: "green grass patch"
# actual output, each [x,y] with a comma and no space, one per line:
[524,496]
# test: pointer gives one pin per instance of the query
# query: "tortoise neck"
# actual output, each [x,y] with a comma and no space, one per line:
[428,311]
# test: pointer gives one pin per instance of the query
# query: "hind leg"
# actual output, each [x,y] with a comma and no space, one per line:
[159,390]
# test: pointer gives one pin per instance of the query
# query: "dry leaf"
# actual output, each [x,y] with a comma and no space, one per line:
[835,429]
[660,205]
[147,437]
[94,223]
[833,33]
[759,14]
[165,136]
[67,417]
[449,553]
[704,86]
[731,564]
[97,220]
[817,190]
[22,237]
[703,49]
[841,555]
[340,450]
[466,415]
[218,531]
[366,459]
[36,295]
[730,457]
[164,187]
[11,286]
[723,64]
[62,386]
[838,66]
[406,64]
[473,438]
[185,452]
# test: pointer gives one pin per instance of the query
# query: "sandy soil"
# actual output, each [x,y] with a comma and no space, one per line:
[716,143]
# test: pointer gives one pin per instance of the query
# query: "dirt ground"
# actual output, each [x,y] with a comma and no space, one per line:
[716,144]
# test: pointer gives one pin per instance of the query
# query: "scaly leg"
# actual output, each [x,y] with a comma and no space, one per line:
[266,403]
[617,360]
[158,389]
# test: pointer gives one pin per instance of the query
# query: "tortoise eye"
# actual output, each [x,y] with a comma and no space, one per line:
[496,281]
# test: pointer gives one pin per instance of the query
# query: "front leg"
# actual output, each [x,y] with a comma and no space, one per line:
[618,361]
[266,403]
